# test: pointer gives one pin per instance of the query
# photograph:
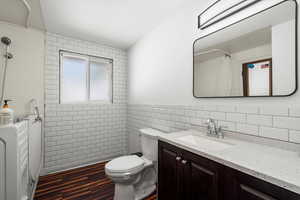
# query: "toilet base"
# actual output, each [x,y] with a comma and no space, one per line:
[124,192]
[139,195]
[127,192]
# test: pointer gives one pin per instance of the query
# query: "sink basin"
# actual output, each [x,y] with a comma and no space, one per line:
[205,142]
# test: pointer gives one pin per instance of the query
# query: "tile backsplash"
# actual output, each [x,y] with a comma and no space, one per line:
[274,122]
[76,134]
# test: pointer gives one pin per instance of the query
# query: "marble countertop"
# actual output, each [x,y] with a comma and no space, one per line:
[275,165]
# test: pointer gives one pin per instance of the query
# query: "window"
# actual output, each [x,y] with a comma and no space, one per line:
[85,78]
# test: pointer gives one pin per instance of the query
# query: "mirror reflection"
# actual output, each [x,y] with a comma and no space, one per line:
[255,57]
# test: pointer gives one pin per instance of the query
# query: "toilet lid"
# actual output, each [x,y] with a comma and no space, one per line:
[125,164]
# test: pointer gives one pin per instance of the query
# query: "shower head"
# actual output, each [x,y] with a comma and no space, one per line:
[6,41]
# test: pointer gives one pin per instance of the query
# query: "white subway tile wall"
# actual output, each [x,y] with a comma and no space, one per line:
[274,110]
[236,117]
[76,134]
[247,129]
[259,120]
[276,133]
[295,136]
[273,122]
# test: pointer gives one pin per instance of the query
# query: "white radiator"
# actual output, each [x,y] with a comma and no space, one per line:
[17,163]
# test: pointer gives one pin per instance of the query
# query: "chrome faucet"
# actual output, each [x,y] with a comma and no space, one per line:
[213,129]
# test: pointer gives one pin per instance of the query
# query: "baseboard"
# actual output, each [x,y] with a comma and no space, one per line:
[46,171]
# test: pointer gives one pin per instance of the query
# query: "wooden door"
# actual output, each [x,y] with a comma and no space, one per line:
[263,70]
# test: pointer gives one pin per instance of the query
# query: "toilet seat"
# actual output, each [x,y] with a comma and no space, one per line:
[125,165]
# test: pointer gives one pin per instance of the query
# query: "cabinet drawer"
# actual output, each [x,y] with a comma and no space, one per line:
[250,188]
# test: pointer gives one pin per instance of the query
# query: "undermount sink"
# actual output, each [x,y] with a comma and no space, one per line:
[205,142]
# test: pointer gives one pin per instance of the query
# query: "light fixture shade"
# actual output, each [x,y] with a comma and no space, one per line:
[222,9]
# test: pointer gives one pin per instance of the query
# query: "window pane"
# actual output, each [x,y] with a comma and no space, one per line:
[73,80]
[100,81]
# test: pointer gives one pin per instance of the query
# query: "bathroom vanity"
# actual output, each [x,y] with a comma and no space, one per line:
[239,171]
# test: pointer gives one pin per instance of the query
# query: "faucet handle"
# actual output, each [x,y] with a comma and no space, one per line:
[220,131]
[209,120]
[221,127]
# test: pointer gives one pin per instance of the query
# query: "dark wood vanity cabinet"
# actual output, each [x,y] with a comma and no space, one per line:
[186,176]
[183,175]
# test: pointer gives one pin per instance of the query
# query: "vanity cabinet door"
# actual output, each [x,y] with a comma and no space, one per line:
[184,187]
[204,180]
[168,171]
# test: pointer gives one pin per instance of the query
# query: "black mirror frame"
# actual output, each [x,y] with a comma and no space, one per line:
[296,53]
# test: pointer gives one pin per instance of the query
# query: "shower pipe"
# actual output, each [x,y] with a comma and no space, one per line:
[28,12]
[6,41]
[227,54]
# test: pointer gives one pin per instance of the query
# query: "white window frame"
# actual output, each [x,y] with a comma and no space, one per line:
[88,58]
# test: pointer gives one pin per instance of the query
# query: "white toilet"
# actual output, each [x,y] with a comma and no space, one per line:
[135,177]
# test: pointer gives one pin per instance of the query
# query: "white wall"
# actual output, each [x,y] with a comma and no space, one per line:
[223,76]
[161,63]
[25,70]
[283,40]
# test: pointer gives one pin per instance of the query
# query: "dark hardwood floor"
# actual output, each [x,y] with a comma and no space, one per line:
[85,183]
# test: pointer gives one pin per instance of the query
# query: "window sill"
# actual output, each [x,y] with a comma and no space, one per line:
[87,103]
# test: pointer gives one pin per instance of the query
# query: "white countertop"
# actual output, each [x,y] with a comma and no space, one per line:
[278,166]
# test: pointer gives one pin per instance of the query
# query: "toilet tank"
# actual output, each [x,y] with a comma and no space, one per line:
[149,143]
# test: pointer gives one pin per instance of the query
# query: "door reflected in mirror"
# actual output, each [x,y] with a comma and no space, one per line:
[254,57]
[257,78]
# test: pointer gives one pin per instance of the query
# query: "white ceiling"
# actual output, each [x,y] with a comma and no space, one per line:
[118,23]
[251,40]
